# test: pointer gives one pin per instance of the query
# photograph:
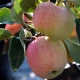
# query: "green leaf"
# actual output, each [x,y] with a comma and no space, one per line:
[22,34]
[16,53]
[12,1]
[16,13]
[78,8]
[27,5]
[4,34]
[22,37]
[5,15]
[77,20]
[73,47]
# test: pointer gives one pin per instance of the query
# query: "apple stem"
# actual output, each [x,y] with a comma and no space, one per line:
[39,34]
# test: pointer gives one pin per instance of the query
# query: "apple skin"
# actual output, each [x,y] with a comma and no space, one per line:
[46,58]
[54,21]
[14,28]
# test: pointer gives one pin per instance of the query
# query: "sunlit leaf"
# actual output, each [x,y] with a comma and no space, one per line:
[5,15]
[16,13]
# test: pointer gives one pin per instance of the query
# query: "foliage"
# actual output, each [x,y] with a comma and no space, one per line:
[18,44]
[17,58]
[5,15]
[73,46]
[4,34]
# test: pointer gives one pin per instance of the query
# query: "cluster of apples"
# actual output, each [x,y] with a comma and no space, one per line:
[47,55]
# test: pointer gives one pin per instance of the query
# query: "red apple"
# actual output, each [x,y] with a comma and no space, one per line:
[54,21]
[46,58]
[14,28]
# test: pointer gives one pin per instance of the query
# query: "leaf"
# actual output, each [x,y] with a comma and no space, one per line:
[27,5]
[78,8]
[12,1]
[16,13]
[16,53]
[4,34]
[73,47]
[5,15]
[77,20]
[23,35]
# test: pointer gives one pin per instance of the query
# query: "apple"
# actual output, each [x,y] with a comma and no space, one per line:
[54,21]
[46,58]
[13,28]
